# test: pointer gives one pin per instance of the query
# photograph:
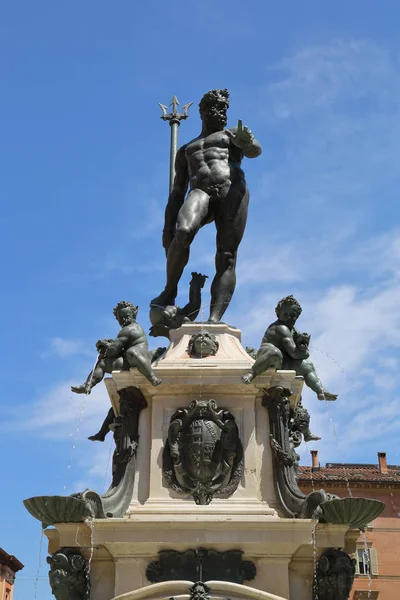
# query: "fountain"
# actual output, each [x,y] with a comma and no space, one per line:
[204,501]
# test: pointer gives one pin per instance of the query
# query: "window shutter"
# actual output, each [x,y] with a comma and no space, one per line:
[374,561]
[355,556]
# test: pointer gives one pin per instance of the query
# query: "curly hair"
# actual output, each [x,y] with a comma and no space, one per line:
[204,334]
[288,300]
[126,304]
[210,98]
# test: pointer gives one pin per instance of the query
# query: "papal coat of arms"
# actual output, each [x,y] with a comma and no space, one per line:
[203,455]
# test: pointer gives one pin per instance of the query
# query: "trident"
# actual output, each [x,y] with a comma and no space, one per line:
[174,119]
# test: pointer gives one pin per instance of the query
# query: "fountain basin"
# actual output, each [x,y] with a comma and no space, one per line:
[58,509]
[355,512]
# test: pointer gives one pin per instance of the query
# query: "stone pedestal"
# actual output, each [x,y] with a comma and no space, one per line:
[159,518]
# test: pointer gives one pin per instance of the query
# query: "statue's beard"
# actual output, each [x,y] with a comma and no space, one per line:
[216,118]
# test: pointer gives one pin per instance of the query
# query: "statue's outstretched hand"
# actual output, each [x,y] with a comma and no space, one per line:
[242,137]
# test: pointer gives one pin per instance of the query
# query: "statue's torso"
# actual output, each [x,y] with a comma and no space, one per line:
[134,333]
[213,163]
[275,335]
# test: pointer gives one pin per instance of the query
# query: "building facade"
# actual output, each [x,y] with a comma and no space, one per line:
[378,550]
[9,566]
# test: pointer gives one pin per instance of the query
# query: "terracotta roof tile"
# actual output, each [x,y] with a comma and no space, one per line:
[352,473]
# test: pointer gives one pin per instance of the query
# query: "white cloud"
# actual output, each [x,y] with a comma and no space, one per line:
[63,416]
[60,412]
[64,348]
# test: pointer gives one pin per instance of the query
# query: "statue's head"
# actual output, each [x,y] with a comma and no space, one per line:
[203,344]
[68,575]
[101,345]
[288,310]
[302,340]
[125,312]
[213,108]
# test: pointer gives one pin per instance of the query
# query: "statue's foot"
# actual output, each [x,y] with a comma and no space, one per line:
[79,389]
[247,378]
[98,437]
[155,381]
[164,299]
[325,395]
[310,437]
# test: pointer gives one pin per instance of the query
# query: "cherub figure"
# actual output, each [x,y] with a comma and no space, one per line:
[128,350]
[282,347]
[104,365]
[111,422]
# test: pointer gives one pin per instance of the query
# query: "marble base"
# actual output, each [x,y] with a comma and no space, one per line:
[282,550]
[159,518]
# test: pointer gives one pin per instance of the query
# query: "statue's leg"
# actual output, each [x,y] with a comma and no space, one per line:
[268,357]
[100,436]
[138,357]
[191,217]
[92,379]
[230,220]
[311,379]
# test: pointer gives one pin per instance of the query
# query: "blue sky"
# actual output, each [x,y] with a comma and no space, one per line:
[84,161]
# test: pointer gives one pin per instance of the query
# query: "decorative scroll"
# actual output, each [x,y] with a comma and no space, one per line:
[69,575]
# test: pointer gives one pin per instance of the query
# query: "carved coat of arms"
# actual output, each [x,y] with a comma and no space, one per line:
[203,455]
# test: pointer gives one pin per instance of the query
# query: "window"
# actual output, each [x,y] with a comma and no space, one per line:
[366,561]
[8,594]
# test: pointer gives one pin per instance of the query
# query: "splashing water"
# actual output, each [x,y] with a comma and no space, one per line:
[368,564]
[80,419]
[39,563]
[339,449]
[345,373]
[90,522]
[314,543]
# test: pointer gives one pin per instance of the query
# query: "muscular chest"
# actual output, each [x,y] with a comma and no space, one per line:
[215,141]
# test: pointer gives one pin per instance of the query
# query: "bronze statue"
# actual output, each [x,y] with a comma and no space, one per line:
[103,365]
[210,165]
[283,347]
[128,350]
[165,318]
[111,420]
